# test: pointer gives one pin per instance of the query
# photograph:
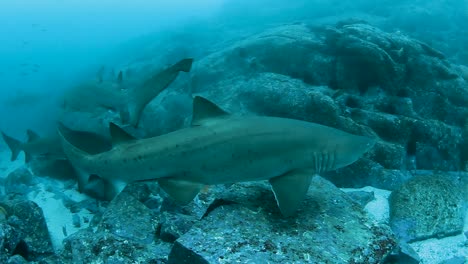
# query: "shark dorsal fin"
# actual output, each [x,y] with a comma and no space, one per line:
[203,110]
[120,77]
[119,135]
[32,136]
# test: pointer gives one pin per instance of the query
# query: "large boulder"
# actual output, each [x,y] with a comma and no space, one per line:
[248,227]
[428,206]
[354,77]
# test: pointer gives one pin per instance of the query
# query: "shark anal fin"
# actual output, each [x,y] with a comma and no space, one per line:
[290,190]
[181,191]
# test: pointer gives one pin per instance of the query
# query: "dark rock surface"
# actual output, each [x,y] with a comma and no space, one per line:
[19,182]
[125,232]
[426,207]
[25,230]
[87,246]
[253,230]
[361,197]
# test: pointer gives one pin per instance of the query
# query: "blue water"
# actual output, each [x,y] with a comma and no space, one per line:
[48,45]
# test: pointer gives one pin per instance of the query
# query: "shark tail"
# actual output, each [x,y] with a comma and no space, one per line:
[184,65]
[15,146]
[77,157]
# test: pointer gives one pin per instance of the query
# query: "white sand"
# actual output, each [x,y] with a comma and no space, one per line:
[56,214]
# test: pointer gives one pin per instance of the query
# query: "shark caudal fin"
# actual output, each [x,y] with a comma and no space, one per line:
[140,97]
[77,157]
[15,146]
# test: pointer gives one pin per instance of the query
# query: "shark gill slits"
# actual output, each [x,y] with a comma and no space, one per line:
[325,161]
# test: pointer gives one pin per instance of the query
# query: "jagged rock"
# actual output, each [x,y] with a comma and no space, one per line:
[19,182]
[16,259]
[361,197]
[28,235]
[86,246]
[426,207]
[404,253]
[249,227]
[125,232]
[172,226]
[128,218]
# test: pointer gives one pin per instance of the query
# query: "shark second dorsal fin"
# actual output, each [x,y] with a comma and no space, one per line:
[203,110]
[32,136]
[119,135]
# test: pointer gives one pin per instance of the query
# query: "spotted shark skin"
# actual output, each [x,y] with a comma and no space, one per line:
[220,148]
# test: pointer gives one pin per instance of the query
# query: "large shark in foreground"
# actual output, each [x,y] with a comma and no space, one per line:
[219,148]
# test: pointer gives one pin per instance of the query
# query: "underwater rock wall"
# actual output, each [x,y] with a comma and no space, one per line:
[354,77]
[351,76]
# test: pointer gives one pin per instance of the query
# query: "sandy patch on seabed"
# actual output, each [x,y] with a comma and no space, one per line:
[431,251]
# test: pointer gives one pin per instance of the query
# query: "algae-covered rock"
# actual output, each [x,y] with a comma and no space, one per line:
[426,207]
[250,229]
[26,230]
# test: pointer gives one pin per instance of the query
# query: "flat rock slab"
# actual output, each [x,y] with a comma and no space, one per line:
[426,207]
[329,228]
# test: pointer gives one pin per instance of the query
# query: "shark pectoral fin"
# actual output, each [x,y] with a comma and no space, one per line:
[181,191]
[290,190]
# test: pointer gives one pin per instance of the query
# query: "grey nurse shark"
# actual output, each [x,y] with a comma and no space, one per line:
[220,148]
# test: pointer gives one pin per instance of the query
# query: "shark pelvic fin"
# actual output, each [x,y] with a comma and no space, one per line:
[119,135]
[203,110]
[181,191]
[290,190]
[32,136]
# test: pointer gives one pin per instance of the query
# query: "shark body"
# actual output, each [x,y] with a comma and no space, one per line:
[50,147]
[219,148]
[141,96]
[34,146]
